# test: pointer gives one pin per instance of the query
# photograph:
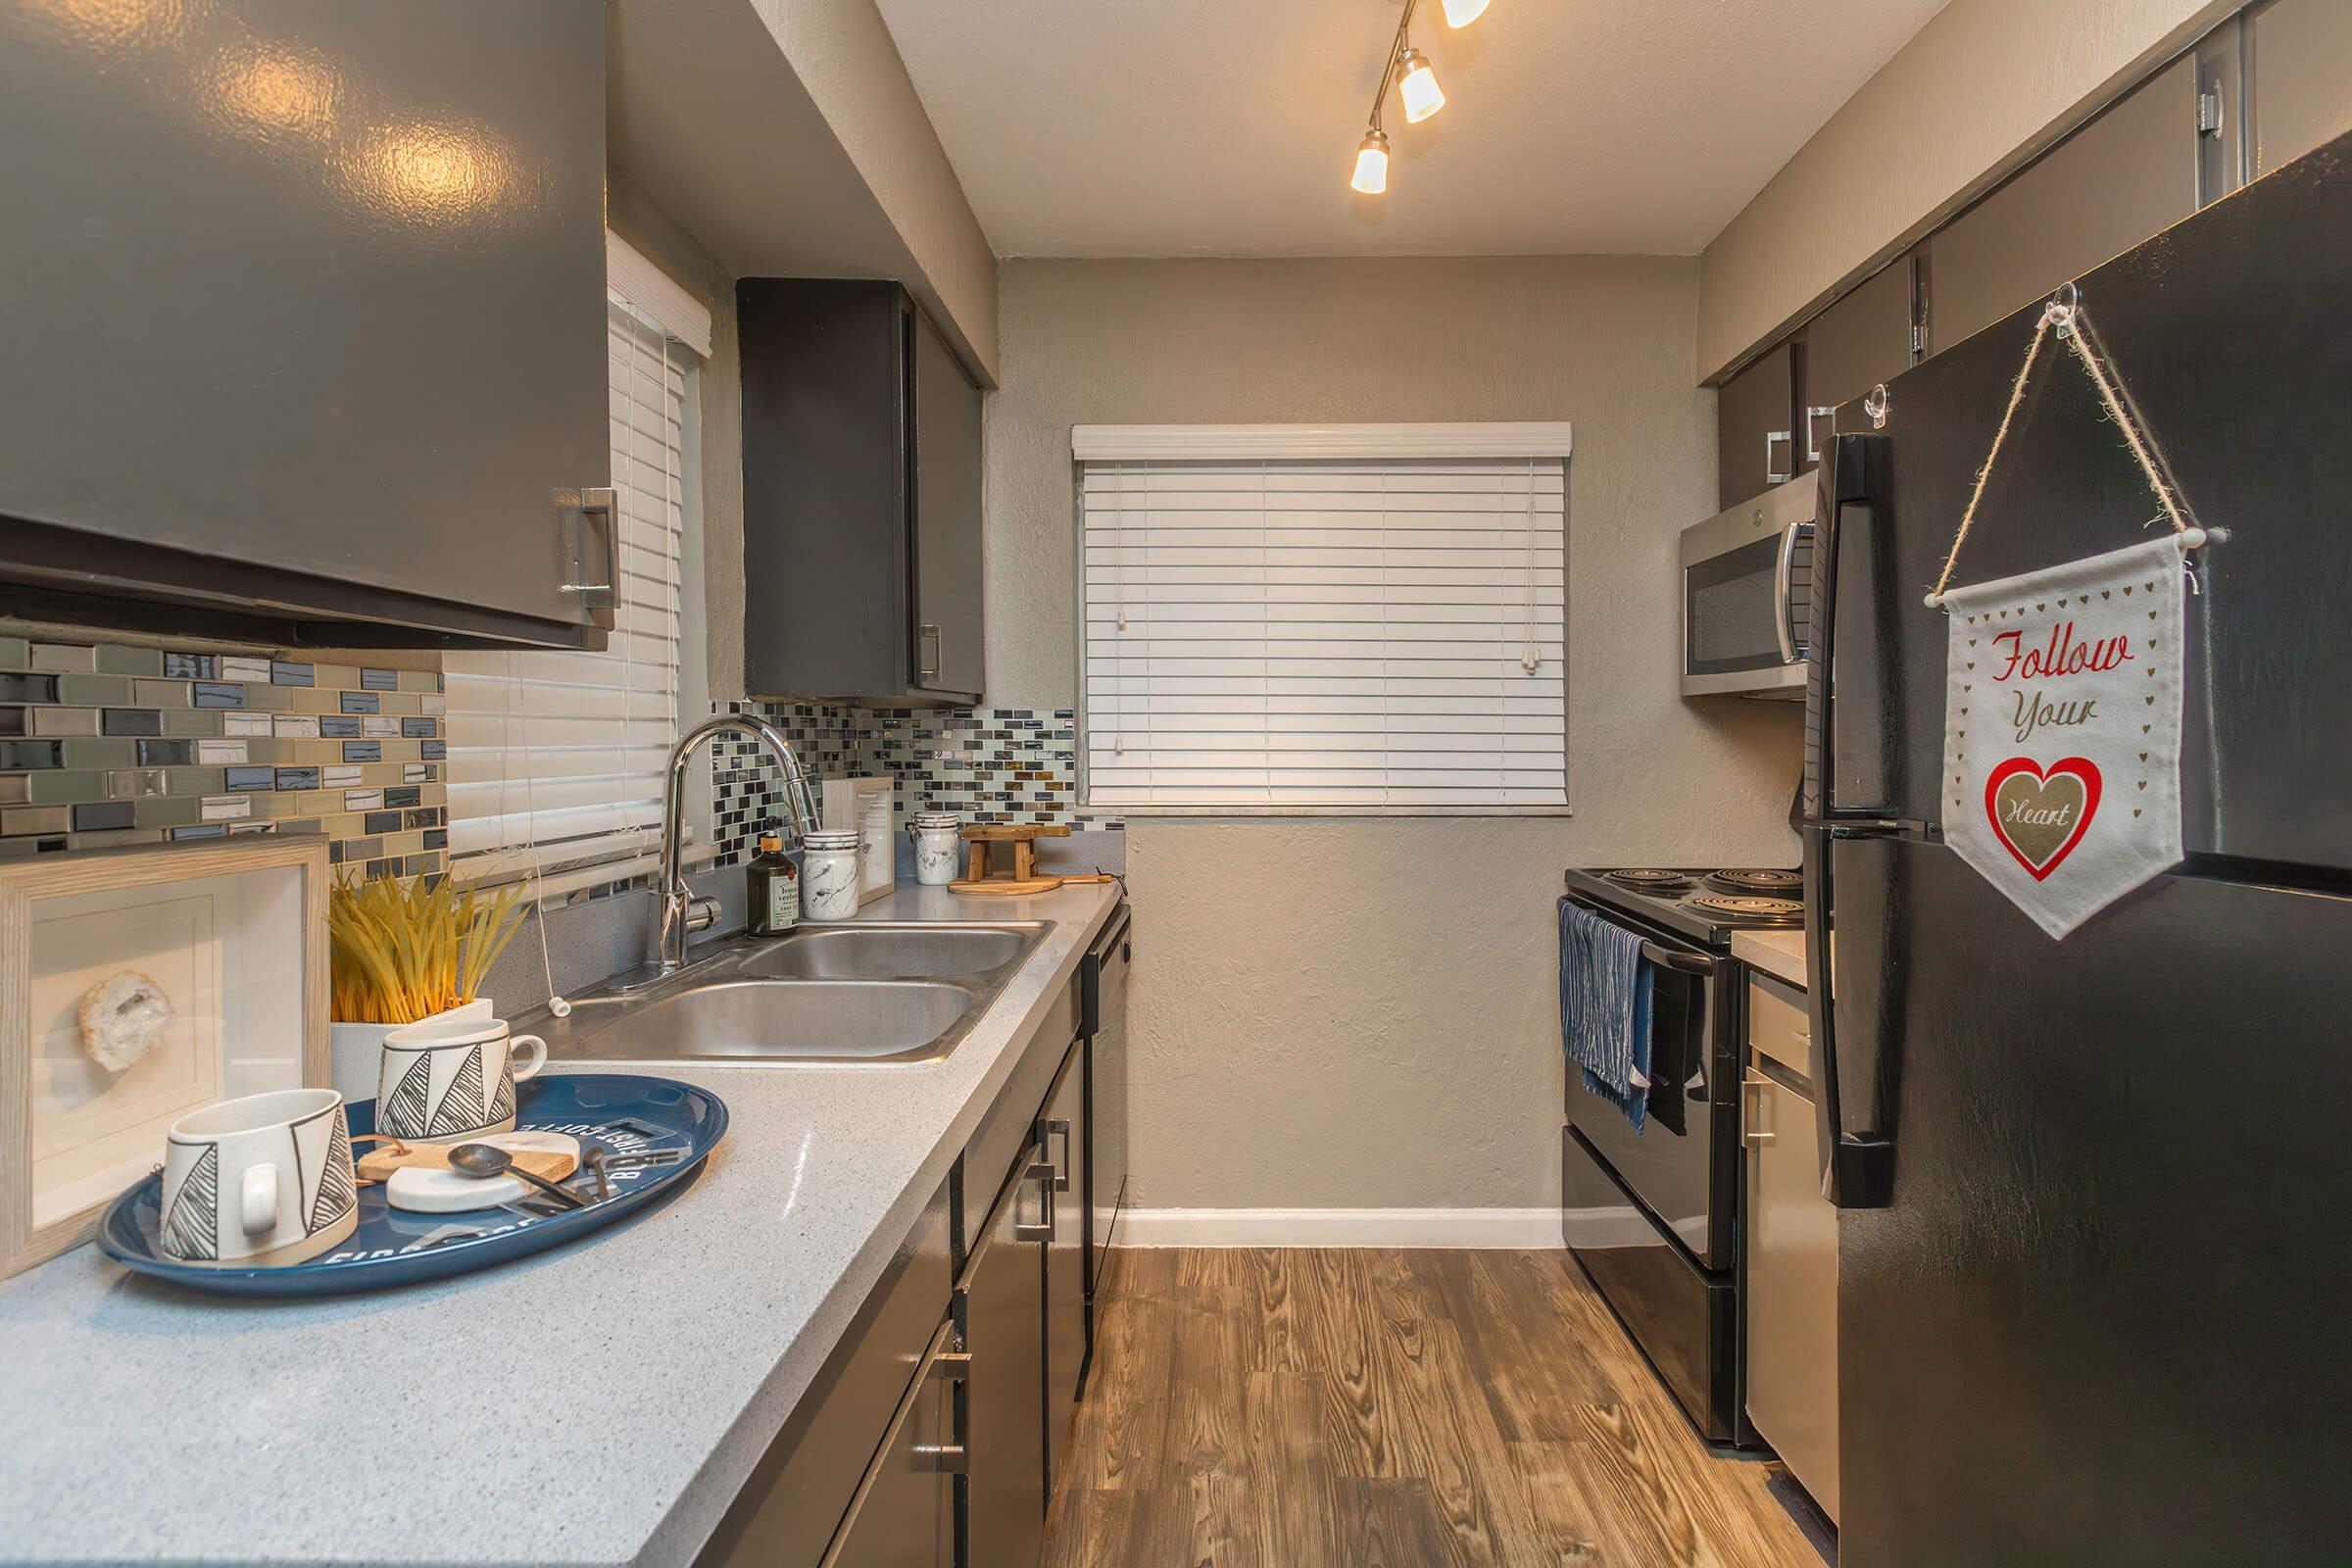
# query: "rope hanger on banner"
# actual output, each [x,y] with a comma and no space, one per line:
[2064,315]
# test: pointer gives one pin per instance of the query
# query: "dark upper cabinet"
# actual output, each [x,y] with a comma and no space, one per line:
[2300,54]
[1862,340]
[1758,431]
[305,306]
[2127,175]
[949,629]
[862,497]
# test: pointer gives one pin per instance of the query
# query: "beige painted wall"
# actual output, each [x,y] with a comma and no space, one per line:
[1359,1013]
[849,67]
[1981,88]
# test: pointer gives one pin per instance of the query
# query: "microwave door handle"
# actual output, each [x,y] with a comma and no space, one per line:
[1783,608]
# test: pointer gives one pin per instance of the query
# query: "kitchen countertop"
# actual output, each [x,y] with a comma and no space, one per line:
[1779,954]
[644,1372]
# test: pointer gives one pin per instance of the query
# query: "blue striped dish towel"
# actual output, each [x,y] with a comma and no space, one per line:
[1605,1008]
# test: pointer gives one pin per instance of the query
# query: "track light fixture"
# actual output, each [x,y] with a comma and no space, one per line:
[1372,163]
[1416,84]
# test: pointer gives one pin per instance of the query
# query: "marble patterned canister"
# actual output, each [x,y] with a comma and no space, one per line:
[937,848]
[829,874]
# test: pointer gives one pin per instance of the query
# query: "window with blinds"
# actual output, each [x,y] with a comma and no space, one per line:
[556,758]
[1366,618]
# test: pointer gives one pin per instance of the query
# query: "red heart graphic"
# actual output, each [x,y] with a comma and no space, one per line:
[2083,770]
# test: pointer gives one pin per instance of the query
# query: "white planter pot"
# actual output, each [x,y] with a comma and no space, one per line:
[357,1048]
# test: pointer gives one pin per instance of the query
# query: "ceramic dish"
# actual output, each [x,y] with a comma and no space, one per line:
[655,1132]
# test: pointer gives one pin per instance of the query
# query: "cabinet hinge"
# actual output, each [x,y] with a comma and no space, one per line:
[2209,112]
[1919,337]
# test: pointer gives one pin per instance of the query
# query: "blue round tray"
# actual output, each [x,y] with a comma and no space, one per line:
[657,1131]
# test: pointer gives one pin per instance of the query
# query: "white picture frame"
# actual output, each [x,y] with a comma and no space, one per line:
[233,937]
[867,804]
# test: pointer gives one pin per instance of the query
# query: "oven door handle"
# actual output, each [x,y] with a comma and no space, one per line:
[1678,962]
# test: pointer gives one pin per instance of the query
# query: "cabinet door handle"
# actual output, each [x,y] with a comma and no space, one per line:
[927,668]
[1061,1166]
[1780,468]
[1041,1173]
[1753,1129]
[1817,418]
[599,599]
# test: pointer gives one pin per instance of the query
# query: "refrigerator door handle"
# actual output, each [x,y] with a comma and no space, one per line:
[1857,1170]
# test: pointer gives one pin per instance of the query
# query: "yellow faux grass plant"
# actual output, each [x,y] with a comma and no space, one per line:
[404,950]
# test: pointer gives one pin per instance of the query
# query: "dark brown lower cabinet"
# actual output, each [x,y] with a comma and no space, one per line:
[1001,1306]
[904,1513]
[1063,1138]
[931,1444]
[832,1450]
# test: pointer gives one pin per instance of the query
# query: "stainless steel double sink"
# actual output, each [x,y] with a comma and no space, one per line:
[847,992]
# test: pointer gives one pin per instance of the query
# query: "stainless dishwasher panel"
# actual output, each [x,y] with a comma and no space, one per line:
[1000,1307]
[1104,1022]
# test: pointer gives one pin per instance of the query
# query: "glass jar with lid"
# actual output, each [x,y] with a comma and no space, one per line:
[829,874]
[937,847]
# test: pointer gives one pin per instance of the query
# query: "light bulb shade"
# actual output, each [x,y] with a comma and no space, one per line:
[1462,12]
[1417,85]
[1372,163]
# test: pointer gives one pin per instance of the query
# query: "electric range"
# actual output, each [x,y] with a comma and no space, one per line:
[1708,905]
[1654,1214]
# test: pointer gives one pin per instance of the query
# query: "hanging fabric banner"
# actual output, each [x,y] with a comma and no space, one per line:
[2063,693]
[2062,730]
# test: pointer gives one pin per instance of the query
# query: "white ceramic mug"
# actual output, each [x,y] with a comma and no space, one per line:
[266,1180]
[446,1080]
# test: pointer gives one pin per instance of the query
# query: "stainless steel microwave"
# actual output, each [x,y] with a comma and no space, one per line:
[1747,594]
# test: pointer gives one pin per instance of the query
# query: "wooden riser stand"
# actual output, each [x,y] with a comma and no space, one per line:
[1020,877]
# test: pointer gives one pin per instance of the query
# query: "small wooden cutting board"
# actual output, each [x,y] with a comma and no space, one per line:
[379,1162]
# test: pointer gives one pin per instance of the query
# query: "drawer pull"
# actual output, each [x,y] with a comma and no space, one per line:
[947,1458]
[1063,1165]
[1753,1129]
[1041,1173]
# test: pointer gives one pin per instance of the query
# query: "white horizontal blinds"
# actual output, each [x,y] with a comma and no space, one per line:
[1380,634]
[556,758]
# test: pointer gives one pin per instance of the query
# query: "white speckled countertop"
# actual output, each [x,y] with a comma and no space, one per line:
[1779,954]
[642,1372]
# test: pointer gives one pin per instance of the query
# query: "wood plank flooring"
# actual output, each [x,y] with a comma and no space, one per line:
[1390,1409]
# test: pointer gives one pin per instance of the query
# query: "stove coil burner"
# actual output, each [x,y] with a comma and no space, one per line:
[1779,884]
[1647,880]
[1750,907]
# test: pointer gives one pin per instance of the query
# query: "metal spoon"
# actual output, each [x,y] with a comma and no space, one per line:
[488,1160]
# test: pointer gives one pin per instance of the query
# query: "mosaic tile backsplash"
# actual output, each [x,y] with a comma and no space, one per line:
[104,745]
[989,765]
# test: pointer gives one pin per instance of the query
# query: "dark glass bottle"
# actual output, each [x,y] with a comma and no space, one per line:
[773,888]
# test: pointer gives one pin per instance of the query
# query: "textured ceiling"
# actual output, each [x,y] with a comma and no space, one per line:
[1228,128]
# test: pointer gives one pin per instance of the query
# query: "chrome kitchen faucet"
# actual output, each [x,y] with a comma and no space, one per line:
[681,910]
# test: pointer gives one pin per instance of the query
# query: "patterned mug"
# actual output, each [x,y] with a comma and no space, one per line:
[446,1080]
[264,1180]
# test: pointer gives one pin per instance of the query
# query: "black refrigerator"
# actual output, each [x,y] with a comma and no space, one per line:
[2095,1229]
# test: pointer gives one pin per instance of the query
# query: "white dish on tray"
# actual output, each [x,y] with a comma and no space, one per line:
[420,1190]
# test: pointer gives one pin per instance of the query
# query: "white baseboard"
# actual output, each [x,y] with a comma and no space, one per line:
[1341,1227]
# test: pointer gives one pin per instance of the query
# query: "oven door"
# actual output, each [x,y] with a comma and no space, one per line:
[1680,1166]
[1747,594]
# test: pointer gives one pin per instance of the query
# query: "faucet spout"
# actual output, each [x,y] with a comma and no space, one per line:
[680,912]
